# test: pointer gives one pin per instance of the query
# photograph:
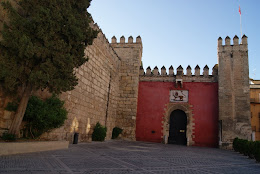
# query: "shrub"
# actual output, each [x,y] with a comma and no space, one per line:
[8,137]
[257,155]
[235,144]
[243,147]
[116,131]
[257,150]
[42,116]
[99,132]
[249,148]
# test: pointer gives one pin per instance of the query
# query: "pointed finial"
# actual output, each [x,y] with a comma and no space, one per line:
[138,39]
[180,70]
[219,41]
[113,40]
[235,40]
[171,71]
[155,71]
[130,39]
[188,71]
[206,67]
[244,40]
[206,70]
[122,39]
[148,71]
[215,70]
[227,40]
[163,71]
[180,67]
[197,70]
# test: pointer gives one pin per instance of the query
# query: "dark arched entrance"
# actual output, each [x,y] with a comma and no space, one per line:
[178,128]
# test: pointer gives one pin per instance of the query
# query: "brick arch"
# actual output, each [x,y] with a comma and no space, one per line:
[170,107]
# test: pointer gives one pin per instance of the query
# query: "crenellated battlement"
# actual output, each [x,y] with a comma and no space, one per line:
[123,49]
[235,46]
[122,40]
[156,75]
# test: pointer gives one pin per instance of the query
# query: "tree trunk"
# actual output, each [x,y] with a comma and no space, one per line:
[15,126]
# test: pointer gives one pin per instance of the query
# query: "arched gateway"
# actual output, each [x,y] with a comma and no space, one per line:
[178,128]
[178,117]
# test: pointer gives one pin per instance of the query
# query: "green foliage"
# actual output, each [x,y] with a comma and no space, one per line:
[11,106]
[99,132]
[8,137]
[42,44]
[235,144]
[249,148]
[257,150]
[42,116]
[116,131]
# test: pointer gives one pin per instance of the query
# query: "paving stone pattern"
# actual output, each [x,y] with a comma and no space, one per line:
[119,157]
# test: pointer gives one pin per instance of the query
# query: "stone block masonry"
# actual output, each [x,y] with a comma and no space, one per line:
[234,100]
[106,92]
[130,54]
[95,98]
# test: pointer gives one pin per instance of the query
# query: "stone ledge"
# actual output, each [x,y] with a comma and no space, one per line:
[9,148]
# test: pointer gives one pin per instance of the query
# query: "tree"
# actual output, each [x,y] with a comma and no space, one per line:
[40,47]
[43,115]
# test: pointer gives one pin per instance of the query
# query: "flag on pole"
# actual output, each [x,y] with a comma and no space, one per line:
[239,10]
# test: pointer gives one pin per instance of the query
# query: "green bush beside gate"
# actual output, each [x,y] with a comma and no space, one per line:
[99,133]
[248,148]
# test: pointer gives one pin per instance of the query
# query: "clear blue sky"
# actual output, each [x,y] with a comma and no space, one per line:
[181,32]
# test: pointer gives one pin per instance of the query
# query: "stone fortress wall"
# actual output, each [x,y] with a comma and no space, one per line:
[95,98]
[108,88]
[106,92]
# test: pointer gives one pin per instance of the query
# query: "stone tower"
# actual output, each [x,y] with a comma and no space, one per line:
[234,99]
[130,54]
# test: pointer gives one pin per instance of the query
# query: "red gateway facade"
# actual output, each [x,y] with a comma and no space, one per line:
[153,97]
[197,109]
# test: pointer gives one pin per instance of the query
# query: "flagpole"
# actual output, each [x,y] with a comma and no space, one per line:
[240,25]
[240,21]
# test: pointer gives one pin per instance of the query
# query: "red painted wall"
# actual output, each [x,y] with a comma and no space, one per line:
[152,98]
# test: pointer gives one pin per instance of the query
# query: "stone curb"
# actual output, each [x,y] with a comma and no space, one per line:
[9,148]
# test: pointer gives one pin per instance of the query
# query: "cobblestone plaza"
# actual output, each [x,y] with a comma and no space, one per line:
[129,157]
